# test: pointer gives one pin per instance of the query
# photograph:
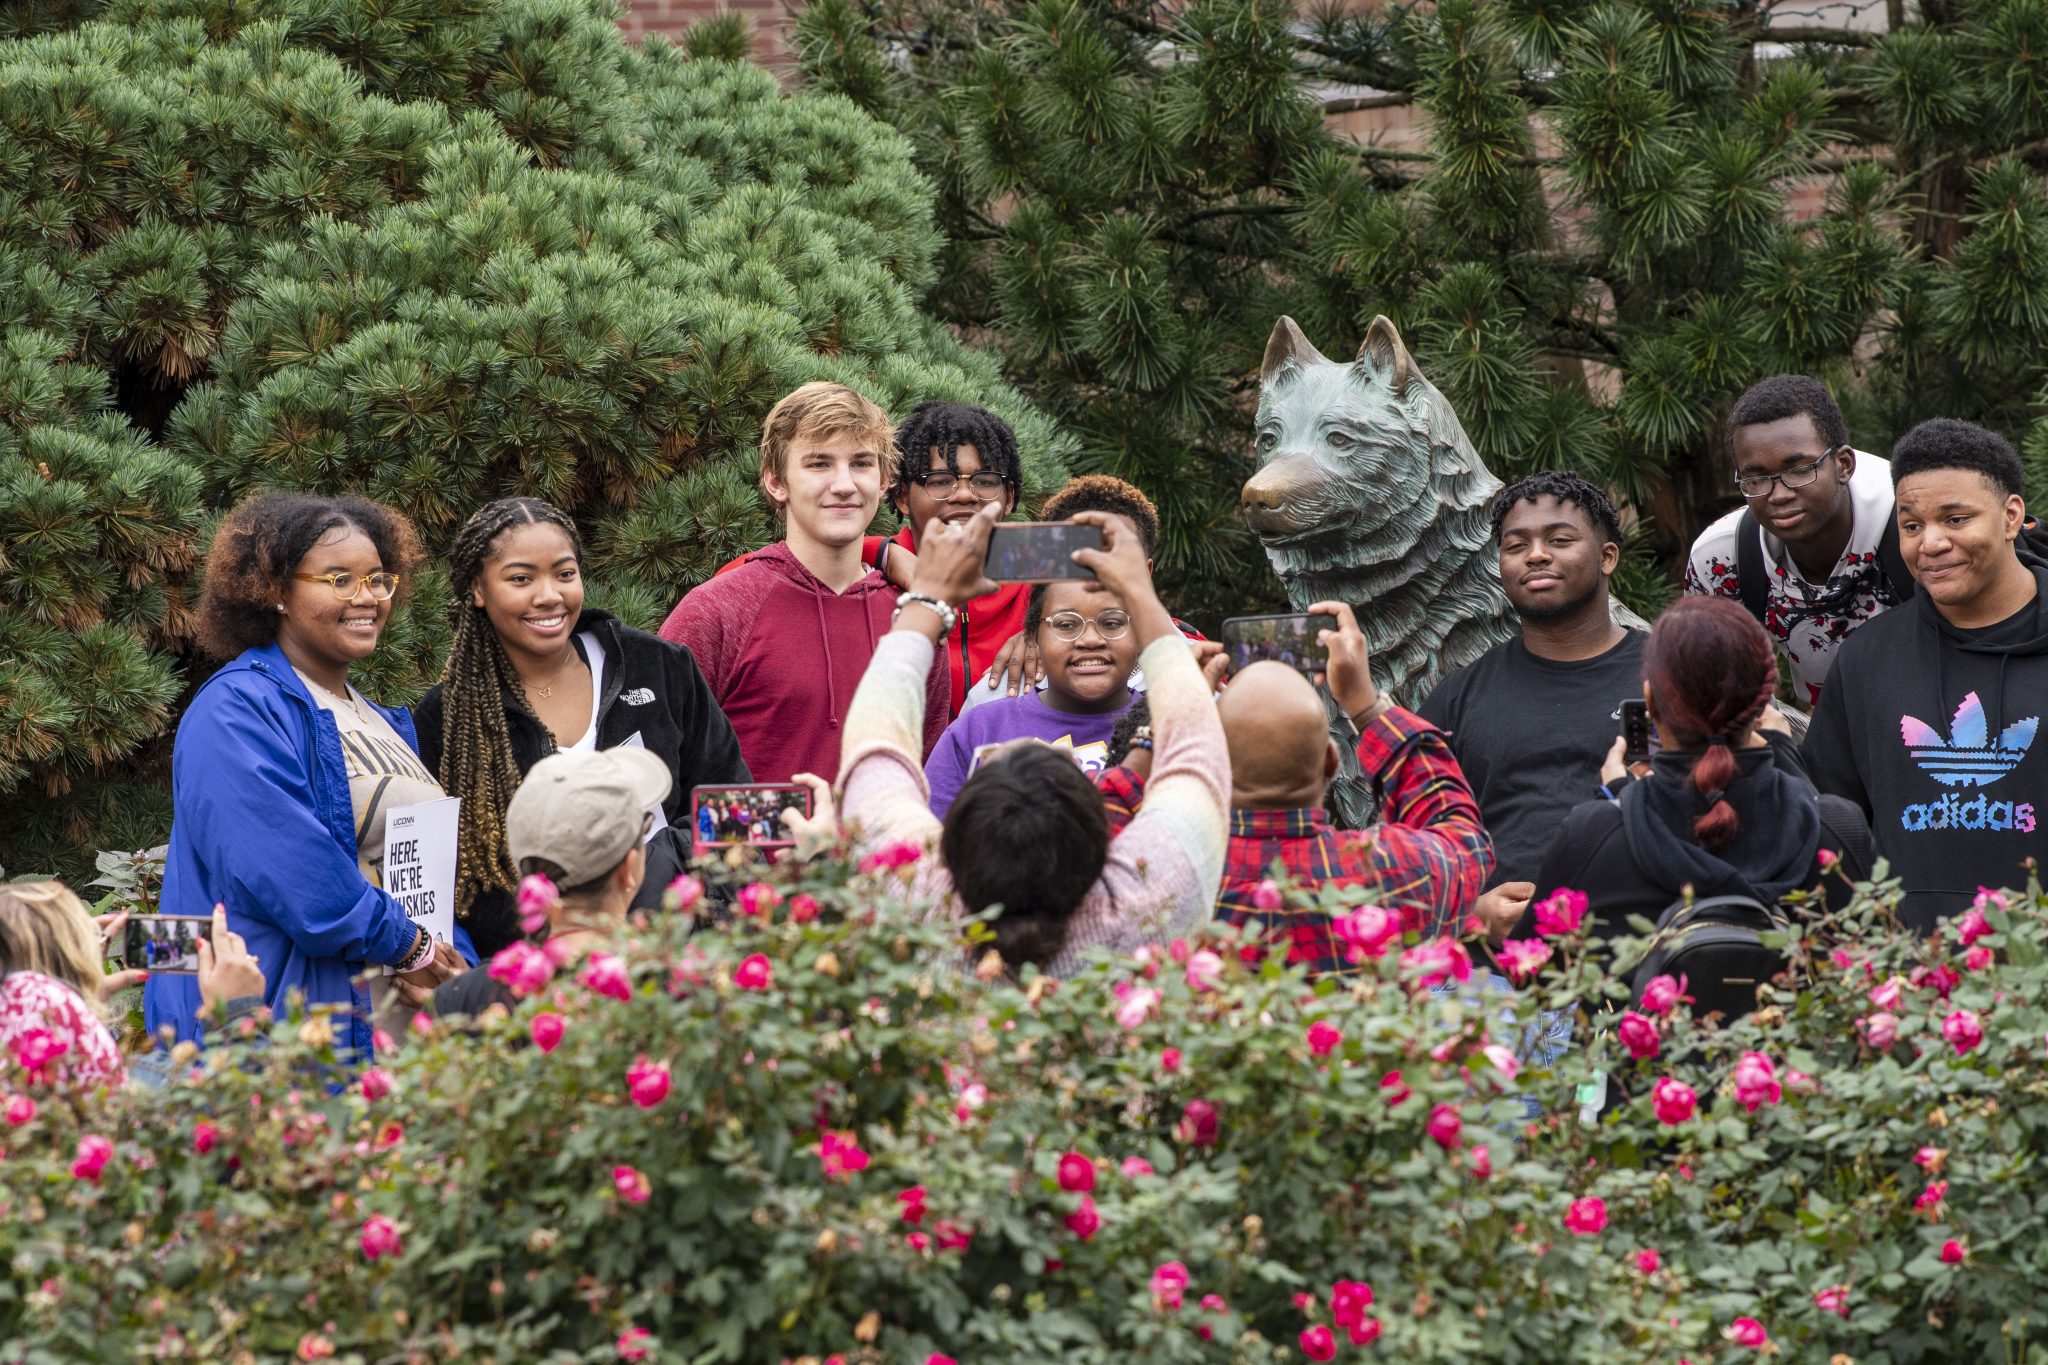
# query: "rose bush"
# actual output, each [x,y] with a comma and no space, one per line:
[794,1138]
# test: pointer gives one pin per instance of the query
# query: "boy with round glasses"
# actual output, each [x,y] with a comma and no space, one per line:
[1813,550]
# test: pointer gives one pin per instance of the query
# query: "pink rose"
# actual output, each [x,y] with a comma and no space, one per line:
[1348,1301]
[802,909]
[912,1201]
[647,1082]
[841,1155]
[1318,1343]
[605,974]
[1084,1220]
[1963,1031]
[1561,913]
[1077,1173]
[1886,995]
[1954,1252]
[889,857]
[1586,1216]
[1931,1197]
[380,1237]
[1367,932]
[1522,958]
[1648,1261]
[521,968]
[1324,1037]
[547,1029]
[919,1242]
[1445,1128]
[204,1136]
[951,1236]
[687,890]
[1979,958]
[631,1185]
[1204,971]
[537,896]
[1198,1124]
[1366,1333]
[1661,993]
[36,1049]
[1971,926]
[1834,1299]
[1941,978]
[1828,858]
[755,973]
[758,900]
[936,1359]
[1169,1283]
[1137,1007]
[20,1109]
[1756,1081]
[1213,1303]
[1880,1030]
[1746,1332]
[1169,1059]
[1674,1100]
[1266,895]
[94,1152]
[1436,962]
[1639,1035]
[635,1343]
[375,1084]
[1394,1088]
[1482,1163]
[1503,1060]
[1135,1166]
[1928,1158]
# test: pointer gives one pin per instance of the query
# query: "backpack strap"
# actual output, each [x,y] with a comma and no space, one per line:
[1752,579]
[1891,561]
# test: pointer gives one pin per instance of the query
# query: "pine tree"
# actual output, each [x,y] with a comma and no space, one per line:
[437,251]
[1595,251]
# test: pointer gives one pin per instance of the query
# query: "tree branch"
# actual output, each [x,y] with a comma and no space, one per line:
[1813,33]
[1350,104]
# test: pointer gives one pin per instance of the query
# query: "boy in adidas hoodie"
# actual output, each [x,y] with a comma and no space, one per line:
[784,638]
[1929,717]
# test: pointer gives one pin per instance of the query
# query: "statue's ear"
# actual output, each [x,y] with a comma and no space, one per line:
[1386,358]
[1287,343]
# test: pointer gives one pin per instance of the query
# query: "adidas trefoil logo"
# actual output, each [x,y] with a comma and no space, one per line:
[1967,758]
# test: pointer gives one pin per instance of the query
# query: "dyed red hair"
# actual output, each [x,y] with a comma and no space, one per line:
[1711,673]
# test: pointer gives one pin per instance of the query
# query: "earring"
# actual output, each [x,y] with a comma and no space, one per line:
[280,609]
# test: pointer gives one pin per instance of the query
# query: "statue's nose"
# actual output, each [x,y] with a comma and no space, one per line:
[1275,485]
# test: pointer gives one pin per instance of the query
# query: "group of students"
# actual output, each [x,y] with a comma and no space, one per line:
[1072,753]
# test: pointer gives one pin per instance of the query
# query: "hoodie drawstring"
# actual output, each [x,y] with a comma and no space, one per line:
[825,637]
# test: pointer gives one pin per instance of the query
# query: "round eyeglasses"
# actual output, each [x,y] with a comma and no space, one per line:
[1798,476]
[1068,625]
[348,587]
[940,483]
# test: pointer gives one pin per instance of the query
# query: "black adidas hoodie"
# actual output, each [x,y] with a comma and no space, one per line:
[1931,729]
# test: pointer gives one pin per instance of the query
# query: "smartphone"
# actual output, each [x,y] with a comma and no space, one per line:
[1635,732]
[165,943]
[1291,638]
[1039,551]
[751,815]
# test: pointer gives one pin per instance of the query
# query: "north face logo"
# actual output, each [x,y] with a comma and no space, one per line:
[639,696]
[1967,758]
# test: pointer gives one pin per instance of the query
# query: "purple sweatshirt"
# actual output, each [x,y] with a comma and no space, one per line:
[1025,717]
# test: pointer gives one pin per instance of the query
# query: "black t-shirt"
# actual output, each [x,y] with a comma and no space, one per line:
[1531,734]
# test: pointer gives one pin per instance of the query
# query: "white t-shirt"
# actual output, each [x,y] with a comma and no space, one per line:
[593,652]
[1809,621]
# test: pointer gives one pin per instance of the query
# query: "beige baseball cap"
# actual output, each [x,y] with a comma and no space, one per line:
[584,812]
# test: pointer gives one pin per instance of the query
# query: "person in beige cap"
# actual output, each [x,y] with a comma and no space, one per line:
[580,819]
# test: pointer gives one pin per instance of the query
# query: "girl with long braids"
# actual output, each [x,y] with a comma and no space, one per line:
[532,670]
[282,771]
[1720,808]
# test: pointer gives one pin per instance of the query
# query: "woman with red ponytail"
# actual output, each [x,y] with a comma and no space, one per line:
[1717,811]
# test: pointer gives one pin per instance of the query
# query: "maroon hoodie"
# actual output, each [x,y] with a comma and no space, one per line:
[783,654]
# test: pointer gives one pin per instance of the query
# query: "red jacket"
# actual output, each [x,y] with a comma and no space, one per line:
[985,623]
[783,654]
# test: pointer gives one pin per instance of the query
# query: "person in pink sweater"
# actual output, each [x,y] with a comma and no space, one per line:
[1027,831]
[785,637]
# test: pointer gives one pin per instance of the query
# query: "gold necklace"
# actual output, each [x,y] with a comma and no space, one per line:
[348,699]
[545,692]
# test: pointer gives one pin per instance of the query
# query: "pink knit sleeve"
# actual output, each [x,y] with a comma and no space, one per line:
[54,1036]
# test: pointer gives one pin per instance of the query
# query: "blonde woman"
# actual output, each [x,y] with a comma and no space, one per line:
[53,987]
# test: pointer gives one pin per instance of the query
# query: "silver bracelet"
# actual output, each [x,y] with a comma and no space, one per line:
[947,616]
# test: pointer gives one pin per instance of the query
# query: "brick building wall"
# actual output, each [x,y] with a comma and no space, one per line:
[770,18]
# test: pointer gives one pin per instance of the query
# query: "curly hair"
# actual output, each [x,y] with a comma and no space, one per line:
[933,434]
[1946,443]
[1790,395]
[1711,672]
[1107,493]
[258,548]
[476,744]
[1565,486]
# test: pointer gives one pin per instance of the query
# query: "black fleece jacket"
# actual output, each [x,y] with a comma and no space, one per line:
[652,690]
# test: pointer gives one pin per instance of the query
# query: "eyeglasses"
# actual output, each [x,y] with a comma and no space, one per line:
[940,483]
[347,587]
[1798,476]
[1068,625]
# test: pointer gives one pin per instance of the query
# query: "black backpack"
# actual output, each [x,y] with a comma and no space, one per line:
[1716,946]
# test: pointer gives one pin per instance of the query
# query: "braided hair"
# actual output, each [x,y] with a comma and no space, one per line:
[1711,673]
[934,432]
[476,744]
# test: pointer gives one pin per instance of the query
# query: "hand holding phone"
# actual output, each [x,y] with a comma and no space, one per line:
[1291,638]
[166,944]
[1039,551]
[748,816]
[1637,734]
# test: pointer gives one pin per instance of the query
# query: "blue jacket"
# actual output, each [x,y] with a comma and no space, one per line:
[262,823]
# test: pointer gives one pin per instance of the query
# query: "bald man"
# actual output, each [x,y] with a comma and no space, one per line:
[1429,855]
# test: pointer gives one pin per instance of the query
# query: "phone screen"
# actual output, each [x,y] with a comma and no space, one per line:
[749,815]
[1291,638]
[1039,551]
[165,943]
[1636,732]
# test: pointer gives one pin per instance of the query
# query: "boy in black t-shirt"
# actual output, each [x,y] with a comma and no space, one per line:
[1532,719]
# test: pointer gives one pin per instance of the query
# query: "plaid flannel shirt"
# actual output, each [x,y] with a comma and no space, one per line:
[1429,854]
